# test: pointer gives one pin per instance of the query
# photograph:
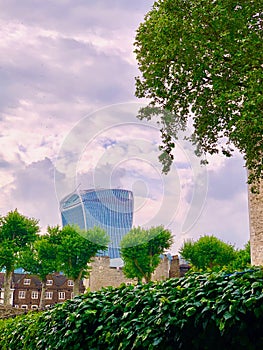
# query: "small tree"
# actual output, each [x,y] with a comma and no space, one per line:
[76,249]
[208,252]
[42,259]
[141,250]
[17,232]
[243,259]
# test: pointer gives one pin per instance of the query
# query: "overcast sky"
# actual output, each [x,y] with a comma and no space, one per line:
[68,119]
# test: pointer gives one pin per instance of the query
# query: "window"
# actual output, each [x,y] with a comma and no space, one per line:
[21,294]
[16,306]
[34,307]
[23,306]
[49,283]
[70,283]
[34,295]
[61,295]
[49,295]
[27,281]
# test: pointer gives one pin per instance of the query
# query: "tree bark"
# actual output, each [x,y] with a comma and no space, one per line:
[42,296]
[76,285]
[256,225]
[7,287]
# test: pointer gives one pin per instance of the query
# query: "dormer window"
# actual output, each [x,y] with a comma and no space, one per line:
[70,283]
[49,283]
[27,281]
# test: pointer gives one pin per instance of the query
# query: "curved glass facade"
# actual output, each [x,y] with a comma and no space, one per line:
[110,209]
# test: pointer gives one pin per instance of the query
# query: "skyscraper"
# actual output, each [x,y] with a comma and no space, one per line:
[110,209]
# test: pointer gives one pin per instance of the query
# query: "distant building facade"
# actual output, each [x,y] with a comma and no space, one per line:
[26,290]
[109,209]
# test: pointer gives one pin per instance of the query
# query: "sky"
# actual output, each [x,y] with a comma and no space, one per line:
[68,121]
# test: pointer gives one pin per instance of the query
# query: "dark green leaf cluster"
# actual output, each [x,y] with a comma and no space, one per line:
[200,311]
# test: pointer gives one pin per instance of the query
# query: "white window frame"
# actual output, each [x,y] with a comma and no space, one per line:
[34,307]
[49,295]
[24,307]
[21,294]
[34,295]
[27,281]
[70,283]
[49,283]
[61,295]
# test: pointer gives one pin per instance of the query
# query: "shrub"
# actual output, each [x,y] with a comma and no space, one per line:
[199,311]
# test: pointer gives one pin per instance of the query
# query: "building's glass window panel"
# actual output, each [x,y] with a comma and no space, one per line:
[34,307]
[24,306]
[21,294]
[34,295]
[48,295]
[70,283]
[49,283]
[61,295]
[27,281]
[110,209]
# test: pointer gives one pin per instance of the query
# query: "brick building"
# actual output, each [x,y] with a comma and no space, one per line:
[26,290]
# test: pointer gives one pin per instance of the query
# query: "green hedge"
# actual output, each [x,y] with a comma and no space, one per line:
[199,311]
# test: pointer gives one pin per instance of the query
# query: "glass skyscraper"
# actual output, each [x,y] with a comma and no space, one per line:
[110,209]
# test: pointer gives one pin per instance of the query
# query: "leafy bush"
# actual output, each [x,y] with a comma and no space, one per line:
[199,311]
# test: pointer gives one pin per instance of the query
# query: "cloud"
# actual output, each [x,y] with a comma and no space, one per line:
[65,60]
[32,192]
[229,180]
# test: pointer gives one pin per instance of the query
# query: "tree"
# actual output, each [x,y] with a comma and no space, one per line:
[208,252]
[243,259]
[141,250]
[202,59]
[17,232]
[75,250]
[42,258]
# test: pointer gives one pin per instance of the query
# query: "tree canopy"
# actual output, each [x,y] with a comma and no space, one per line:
[76,248]
[141,250]
[210,252]
[16,233]
[202,59]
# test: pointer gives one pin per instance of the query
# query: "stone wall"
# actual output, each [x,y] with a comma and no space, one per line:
[256,226]
[102,275]
[6,312]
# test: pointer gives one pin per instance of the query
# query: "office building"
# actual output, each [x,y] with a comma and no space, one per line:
[110,209]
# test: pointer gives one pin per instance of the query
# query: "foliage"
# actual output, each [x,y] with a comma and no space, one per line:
[243,259]
[203,58]
[141,250]
[200,311]
[17,232]
[208,252]
[76,248]
[41,259]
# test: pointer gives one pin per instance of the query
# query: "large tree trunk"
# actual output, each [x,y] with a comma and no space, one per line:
[256,226]
[42,296]
[7,287]
[76,285]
